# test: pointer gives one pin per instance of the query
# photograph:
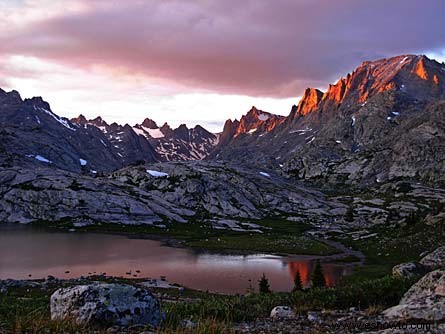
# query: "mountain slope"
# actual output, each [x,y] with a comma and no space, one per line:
[32,135]
[180,144]
[240,139]
[383,121]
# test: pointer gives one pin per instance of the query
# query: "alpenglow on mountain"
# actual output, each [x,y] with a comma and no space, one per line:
[381,122]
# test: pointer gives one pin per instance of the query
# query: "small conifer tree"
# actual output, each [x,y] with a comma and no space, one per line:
[317,278]
[264,284]
[298,284]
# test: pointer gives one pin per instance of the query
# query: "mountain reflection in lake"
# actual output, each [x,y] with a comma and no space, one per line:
[27,251]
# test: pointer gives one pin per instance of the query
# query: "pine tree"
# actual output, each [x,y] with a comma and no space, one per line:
[264,284]
[298,284]
[317,278]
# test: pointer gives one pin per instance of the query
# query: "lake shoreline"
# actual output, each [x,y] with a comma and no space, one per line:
[40,252]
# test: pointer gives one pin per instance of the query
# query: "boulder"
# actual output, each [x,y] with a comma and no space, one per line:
[104,304]
[434,260]
[425,300]
[408,270]
[282,312]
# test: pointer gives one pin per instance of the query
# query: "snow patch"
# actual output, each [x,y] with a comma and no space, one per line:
[156,173]
[147,132]
[264,174]
[37,119]
[154,133]
[338,141]
[301,131]
[353,120]
[263,117]
[40,158]
[251,131]
[83,162]
[403,60]
[388,118]
[395,113]
[62,121]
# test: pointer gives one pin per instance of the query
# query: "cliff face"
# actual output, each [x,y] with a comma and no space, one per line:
[380,122]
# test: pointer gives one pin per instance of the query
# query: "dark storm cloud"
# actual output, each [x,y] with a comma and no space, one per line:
[257,47]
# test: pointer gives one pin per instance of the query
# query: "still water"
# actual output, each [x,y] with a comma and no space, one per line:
[27,251]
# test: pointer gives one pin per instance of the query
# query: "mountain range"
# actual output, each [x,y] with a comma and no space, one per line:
[380,124]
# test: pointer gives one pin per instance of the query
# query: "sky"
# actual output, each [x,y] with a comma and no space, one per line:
[200,61]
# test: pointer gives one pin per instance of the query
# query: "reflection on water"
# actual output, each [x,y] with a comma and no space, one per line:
[332,272]
[27,251]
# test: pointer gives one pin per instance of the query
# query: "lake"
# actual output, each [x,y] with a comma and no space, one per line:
[28,251]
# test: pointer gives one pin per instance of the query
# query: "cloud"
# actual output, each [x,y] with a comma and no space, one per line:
[251,47]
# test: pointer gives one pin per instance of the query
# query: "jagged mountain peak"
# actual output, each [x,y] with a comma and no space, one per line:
[98,121]
[166,129]
[417,76]
[414,75]
[309,102]
[81,119]
[149,124]
[13,96]
[257,120]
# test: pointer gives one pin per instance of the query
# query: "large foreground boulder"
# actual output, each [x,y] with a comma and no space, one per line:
[105,305]
[425,300]
[282,312]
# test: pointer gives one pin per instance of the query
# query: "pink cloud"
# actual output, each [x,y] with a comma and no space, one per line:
[252,47]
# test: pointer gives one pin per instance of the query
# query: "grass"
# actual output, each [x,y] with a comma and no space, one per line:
[394,244]
[27,310]
[280,236]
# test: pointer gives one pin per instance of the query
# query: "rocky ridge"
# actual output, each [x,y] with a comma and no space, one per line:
[156,194]
[180,144]
[381,122]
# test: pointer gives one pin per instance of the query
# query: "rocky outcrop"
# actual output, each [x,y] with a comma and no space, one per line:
[55,195]
[434,260]
[155,194]
[408,270]
[425,300]
[104,304]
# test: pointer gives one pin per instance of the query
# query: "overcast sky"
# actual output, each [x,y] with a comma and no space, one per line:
[200,61]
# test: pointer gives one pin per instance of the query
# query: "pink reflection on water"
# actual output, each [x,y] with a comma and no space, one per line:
[67,255]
